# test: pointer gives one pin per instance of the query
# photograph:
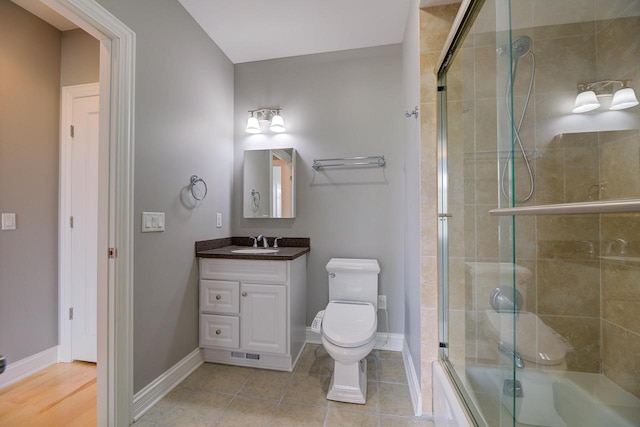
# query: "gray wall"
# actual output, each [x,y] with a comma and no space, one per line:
[184,126]
[337,104]
[411,94]
[80,58]
[29,117]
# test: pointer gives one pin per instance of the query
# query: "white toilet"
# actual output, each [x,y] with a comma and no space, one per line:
[349,325]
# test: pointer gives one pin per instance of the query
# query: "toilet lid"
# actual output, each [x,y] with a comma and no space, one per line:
[535,341]
[349,324]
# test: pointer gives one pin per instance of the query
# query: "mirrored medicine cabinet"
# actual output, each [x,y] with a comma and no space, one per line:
[269,183]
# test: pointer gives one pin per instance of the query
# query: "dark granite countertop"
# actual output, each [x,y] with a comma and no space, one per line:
[289,248]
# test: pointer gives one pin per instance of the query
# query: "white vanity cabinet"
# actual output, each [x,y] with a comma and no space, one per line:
[253,312]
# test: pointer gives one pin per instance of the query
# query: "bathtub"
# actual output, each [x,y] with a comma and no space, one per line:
[551,399]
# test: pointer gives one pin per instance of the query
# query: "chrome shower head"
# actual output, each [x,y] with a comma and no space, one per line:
[520,47]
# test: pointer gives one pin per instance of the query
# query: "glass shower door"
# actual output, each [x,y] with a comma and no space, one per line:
[539,213]
[477,250]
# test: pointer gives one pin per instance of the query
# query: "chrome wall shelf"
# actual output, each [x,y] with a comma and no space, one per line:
[608,206]
[349,162]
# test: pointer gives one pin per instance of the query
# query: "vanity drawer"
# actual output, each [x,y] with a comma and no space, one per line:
[219,331]
[243,270]
[219,297]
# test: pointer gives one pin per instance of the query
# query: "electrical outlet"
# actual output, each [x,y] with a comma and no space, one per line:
[382,302]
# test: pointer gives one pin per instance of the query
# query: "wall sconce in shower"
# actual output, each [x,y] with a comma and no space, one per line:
[265,115]
[588,94]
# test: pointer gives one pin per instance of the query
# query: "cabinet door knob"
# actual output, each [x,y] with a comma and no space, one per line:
[244,294]
[218,297]
[218,332]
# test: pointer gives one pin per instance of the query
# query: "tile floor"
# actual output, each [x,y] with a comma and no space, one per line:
[222,395]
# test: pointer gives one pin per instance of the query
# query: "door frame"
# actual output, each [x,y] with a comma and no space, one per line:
[115,206]
[65,291]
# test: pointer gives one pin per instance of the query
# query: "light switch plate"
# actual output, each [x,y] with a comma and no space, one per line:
[218,220]
[8,221]
[152,222]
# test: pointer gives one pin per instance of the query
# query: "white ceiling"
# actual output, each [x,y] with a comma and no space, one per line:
[253,30]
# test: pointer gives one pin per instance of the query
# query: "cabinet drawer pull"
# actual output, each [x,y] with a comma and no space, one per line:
[218,297]
[218,332]
[244,294]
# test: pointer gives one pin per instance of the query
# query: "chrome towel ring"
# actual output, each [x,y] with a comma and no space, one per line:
[194,180]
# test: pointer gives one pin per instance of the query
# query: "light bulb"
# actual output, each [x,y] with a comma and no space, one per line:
[277,124]
[586,101]
[253,126]
[624,98]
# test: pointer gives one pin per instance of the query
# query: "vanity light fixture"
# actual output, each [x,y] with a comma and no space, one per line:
[588,94]
[265,115]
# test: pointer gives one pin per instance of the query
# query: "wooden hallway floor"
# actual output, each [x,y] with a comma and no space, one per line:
[63,394]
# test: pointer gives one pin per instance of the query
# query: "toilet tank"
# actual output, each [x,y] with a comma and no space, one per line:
[353,280]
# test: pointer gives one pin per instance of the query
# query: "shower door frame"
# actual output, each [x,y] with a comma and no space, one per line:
[464,20]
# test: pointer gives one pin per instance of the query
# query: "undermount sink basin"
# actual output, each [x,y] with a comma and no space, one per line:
[255,251]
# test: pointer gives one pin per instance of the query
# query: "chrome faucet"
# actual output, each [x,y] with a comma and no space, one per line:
[623,246]
[265,242]
[591,245]
[508,350]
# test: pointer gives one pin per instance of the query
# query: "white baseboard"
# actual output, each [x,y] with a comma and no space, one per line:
[395,342]
[29,365]
[161,386]
[412,380]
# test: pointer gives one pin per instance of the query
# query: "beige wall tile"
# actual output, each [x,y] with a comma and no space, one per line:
[621,295]
[428,78]
[553,12]
[429,287]
[617,51]
[429,230]
[583,28]
[565,236]
[435,23]
[429,351]
[620,357]
[584,336]
[457,287]
[485,72]
[567,288]
[564,62]
[581,174]
[619,168]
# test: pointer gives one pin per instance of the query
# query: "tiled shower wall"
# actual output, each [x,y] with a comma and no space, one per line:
[593,302]
[581,292]
[577,288]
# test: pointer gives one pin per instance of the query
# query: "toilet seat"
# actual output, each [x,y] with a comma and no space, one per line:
[536,342]
[349,323]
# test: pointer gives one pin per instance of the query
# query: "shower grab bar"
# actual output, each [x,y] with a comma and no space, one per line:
[349,161]
[609,206]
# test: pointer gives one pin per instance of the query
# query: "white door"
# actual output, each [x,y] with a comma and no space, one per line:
[83,223]
[263,310]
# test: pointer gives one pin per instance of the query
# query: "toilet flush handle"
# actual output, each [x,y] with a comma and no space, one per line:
[332,275]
